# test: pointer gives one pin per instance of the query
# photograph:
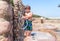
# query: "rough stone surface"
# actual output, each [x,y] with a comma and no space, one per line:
[5,21]
[5,30]
[40,36]
[18,32]
[5,10]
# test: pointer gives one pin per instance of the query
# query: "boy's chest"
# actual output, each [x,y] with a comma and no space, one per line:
[27,14]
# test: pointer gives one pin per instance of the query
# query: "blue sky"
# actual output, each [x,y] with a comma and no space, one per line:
[47,8]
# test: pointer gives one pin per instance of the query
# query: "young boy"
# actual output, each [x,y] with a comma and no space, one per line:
[28,17]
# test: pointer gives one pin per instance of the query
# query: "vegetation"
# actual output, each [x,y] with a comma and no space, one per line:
[36,15]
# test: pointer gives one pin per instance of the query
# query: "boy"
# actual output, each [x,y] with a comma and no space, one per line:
[28,17]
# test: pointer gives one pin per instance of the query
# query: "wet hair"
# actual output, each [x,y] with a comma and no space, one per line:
[27,7]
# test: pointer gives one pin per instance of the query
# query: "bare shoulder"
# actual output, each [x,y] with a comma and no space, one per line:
[30,13]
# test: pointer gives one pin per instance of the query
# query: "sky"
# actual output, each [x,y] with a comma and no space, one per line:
[46,8]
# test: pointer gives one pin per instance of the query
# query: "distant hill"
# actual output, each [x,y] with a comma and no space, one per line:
[38,16]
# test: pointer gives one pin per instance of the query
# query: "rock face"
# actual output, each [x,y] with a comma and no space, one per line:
[4,26]
[5,30]
[6,15]
[40,36]
[5,10]
[5,21]
[18,32]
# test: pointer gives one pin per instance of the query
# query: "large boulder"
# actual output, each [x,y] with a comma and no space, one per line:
[5,21]
[4,26]
[40,36]
[5,10]
[5,30]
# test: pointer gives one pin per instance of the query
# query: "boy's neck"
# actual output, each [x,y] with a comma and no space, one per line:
[27,12]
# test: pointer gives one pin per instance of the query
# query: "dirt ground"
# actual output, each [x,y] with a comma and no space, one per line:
[37,25]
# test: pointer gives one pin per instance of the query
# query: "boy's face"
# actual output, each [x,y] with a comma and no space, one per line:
[27,10]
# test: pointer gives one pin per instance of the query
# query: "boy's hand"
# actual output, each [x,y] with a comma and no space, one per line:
[23,17]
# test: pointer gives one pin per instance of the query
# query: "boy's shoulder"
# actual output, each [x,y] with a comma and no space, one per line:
[31,12]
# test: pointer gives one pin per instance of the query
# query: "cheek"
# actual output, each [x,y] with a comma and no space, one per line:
[27,10]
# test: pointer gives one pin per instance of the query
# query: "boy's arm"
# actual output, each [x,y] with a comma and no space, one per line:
[28,16]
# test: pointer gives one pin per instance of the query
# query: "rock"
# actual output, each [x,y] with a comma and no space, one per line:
[29,38]
[4,26]
[5,30]
[40,36]
[5,10]
[5,20]
[4,39]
